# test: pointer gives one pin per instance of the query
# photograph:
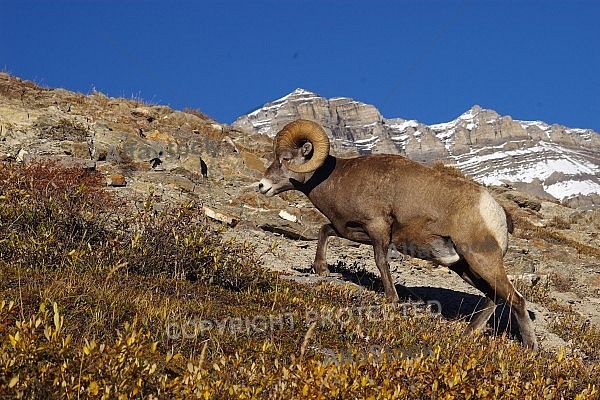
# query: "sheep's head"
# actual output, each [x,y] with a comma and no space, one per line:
[300,148]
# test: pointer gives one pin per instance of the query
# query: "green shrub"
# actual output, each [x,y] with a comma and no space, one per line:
[89,285]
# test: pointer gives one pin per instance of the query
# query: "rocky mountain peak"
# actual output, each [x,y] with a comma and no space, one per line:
[302,92]
[491,148]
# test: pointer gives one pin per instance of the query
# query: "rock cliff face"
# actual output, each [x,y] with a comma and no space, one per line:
[551,160]
[136,146]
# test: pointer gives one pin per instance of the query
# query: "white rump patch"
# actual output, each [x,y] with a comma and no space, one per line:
[494,219]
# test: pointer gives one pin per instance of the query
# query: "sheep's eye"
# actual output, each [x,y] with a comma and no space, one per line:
[286,157]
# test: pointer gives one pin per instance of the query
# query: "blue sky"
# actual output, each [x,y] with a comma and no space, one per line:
[424,60]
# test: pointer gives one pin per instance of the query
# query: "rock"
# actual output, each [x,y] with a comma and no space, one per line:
[343,118]
[424,146]
[217,216]
[22,156]
[227,140]
[290,230]
[183,183]
[534,188]
[118,181]
[287,216]
[524,201]
[157,135]
[144,112]
[76,149]
[253,161]
[531,279]
[89,166]
[585,202]
[178,118]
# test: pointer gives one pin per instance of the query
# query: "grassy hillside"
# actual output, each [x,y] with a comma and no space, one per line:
[100,298]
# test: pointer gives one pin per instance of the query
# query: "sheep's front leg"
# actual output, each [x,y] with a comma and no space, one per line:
[320,263]
[380,248]
[380,234]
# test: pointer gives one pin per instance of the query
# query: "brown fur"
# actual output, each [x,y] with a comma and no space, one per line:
[383,199]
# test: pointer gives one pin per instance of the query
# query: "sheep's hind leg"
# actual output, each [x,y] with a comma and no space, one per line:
[492,280]
[480,318]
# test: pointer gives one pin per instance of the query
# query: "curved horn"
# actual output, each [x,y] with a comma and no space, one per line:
[295,134]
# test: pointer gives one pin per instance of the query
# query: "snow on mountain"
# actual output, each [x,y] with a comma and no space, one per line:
[493,149]
[261,118]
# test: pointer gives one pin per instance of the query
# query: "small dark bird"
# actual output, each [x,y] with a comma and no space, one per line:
[203,168]
[155,162]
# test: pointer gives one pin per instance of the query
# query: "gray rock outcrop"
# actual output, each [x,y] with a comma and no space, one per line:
[491,148]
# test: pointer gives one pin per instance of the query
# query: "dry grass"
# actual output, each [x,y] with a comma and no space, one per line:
[561,282]
[197,113]
[89,288]
[527,230]
[559,223]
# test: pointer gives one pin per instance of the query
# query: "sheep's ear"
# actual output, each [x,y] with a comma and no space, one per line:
[306,149]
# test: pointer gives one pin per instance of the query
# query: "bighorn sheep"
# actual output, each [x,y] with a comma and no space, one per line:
[385,199]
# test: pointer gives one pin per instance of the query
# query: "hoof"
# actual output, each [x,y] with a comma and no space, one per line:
[392,297]
[321,268]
